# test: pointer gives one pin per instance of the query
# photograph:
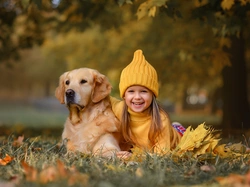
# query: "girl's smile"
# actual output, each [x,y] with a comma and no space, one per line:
[138,98]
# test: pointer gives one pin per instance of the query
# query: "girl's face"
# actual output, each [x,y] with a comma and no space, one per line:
[138,98]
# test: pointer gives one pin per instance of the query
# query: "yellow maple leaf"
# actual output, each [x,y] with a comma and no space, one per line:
[227,4]
[186,141]
[197,141]
[192,138]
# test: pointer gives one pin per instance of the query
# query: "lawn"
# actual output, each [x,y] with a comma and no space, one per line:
[40,161]
[31,155]
[47,113]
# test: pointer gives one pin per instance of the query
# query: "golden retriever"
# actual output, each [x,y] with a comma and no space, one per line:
[91,125]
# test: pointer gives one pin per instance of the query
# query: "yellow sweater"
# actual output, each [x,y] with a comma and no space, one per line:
[140,125]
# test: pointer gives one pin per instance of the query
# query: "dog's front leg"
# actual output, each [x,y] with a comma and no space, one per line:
[107,146]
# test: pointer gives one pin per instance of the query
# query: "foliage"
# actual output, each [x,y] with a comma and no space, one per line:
[226,17]
[25,23]
[62,35]
[37,161]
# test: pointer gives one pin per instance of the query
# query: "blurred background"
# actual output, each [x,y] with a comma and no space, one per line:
[200,49]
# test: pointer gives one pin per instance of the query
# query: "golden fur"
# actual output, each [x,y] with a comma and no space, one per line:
[91,125]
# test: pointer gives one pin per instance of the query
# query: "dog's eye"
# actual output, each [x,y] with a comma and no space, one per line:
[67,82]
[83,81]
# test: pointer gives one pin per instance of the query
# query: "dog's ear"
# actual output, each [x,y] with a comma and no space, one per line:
[102,87]
[59,93]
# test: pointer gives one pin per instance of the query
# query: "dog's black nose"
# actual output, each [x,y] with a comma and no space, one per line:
[70,93]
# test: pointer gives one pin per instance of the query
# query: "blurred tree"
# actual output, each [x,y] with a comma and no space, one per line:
[25,23]
[229,20]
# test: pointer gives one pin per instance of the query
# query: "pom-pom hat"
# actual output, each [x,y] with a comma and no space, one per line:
[139,72]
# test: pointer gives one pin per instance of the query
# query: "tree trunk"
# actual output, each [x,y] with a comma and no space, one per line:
[236,113]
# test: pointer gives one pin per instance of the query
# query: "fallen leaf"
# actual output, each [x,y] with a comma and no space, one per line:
[7,159]
[55,173]
[230,180]
[139,172]
[197,141]
[18,141]
[208,168]
[79,178]
[30,172]
[48,174]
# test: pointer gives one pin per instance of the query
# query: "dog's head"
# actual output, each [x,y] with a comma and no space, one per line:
[81,86]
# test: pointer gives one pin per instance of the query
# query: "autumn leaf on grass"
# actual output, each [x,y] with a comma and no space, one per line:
[18,141]
[77,177]
[48,174]
[231,150]
[234,180]
[197,141]
[7,159]
[54,173]
[30,172]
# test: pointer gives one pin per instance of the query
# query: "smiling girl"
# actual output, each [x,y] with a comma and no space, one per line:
[144,123]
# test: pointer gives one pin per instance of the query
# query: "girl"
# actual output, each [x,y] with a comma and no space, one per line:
[144,124]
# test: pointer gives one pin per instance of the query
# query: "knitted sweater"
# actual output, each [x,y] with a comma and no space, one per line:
[140,126]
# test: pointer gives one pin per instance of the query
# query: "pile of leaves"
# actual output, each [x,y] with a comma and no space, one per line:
[199,159]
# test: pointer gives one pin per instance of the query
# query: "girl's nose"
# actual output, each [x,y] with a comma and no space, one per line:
[137,95]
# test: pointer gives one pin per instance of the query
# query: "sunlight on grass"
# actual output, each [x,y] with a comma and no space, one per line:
[30,116]
[40,161]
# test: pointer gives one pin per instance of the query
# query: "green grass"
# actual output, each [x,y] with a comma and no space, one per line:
[42,154]
[30,116]
[35,117]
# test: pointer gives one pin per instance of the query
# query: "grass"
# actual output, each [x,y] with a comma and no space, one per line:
[37,115]
[32,116]
[40,161]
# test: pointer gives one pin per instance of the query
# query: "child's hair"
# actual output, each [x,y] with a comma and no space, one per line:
[155,127]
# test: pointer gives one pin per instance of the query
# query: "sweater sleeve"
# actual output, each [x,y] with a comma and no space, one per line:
[169,138]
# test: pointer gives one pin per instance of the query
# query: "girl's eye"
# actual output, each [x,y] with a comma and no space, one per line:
[83,81]
[67,82]
[144,91]
[131,91]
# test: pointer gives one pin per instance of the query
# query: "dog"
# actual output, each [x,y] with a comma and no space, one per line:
[91,126]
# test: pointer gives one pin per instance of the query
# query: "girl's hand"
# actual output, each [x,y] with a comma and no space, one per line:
[123,155]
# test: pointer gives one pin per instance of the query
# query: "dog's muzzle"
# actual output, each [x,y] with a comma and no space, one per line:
[70,96]
[71,99]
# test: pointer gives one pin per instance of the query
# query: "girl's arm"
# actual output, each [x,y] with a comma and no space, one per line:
[169,138]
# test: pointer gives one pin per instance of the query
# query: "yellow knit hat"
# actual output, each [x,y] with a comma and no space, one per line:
[139,72]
